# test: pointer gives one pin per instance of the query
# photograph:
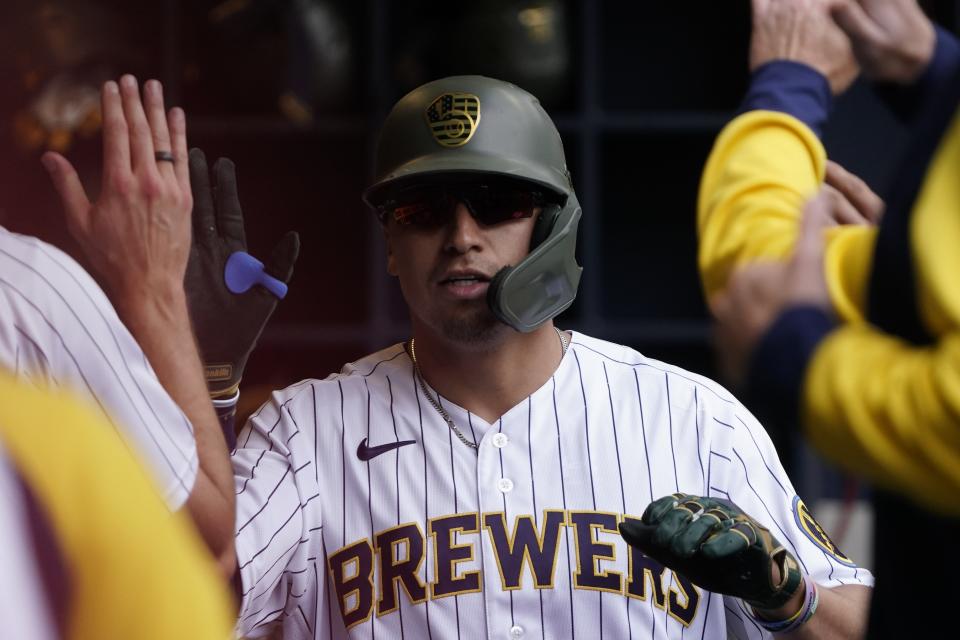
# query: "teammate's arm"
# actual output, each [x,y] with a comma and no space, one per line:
[768,161]
[888,410]
[137,235]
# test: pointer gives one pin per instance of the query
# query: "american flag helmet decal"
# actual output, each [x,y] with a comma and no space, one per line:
[453,118]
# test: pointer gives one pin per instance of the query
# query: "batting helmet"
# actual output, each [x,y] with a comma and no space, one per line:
[465,125]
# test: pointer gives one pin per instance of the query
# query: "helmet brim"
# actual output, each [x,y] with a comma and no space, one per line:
[462,164]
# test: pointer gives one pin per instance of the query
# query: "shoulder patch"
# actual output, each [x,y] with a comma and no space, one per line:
[812,529]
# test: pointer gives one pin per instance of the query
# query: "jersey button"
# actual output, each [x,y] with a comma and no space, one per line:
[516,631]
[505,485]
[500,440]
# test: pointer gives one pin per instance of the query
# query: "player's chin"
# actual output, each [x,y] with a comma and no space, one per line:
[470,323]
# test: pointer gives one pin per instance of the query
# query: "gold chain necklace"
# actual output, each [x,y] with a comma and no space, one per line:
[435,402]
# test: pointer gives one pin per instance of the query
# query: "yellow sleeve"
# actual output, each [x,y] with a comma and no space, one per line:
[135,569]
[763,167]
[935,236]
[889,410]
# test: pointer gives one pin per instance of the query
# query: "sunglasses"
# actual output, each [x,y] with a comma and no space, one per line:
[490,203]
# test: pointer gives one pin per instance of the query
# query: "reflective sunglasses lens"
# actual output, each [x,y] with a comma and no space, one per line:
[491,206]
[421,209]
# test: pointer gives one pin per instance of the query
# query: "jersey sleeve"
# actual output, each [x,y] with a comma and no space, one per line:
[889,410]
[58,329]
[278,514]
[760,172]
[747,471]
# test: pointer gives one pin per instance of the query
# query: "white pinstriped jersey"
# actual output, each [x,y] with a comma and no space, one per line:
[58,329]
[24,608]
[428,539]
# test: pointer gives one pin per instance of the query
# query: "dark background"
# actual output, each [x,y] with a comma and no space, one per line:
[295,90]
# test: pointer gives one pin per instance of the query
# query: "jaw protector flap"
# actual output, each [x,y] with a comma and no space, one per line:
[543,284]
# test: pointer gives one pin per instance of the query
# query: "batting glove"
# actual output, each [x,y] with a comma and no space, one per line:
[231,294]
[718,547]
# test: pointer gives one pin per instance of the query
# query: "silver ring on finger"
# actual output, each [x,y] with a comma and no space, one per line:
[163,156]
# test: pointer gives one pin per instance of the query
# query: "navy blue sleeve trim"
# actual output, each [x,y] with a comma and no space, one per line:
[779,363]
[793,88]
[907,102]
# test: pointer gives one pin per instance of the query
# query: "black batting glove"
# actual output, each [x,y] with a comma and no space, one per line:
[718,547]
[227,318]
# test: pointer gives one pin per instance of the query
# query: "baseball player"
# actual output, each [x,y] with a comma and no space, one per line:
[474,480]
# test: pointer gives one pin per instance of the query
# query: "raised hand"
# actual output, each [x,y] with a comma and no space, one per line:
[893,40]
[802,31]
[228,319]
[137,233]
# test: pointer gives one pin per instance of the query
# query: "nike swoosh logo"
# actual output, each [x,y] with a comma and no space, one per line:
[369,453]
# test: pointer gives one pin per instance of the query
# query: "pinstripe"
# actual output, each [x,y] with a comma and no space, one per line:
[266,572]
[343,466]
[676,481]
[271,539]
[746,614]
[426,501]
[373,529]
[26,336]
[623,496]
[505,513]
[316,444]
[563,495]
[533,486]
[264,505]
[673,455]
[762,459]
[377,365]
[593,491]
[586,431]
[706,613]
[735,615]
[267,405]
[656,368]
[329,598]
[110,329]
[793,546]
[177,473]
[456,508]
[696,424]
[646,453]
[393,419]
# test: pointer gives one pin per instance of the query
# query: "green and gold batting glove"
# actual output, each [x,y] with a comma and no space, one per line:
[718,547]
[230,293]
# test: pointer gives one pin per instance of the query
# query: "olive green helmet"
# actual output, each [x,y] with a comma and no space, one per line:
[465,125]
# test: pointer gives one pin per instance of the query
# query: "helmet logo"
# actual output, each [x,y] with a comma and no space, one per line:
[453,118]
